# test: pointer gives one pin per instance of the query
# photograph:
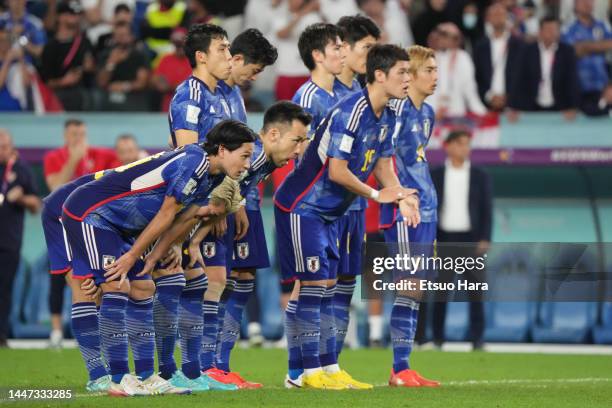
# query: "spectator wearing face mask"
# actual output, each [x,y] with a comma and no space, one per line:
[67,58]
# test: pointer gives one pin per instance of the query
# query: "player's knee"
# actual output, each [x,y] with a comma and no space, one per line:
[244,274]
[158,273]
[142,289]
[214,290]
[193,273]
[109,287]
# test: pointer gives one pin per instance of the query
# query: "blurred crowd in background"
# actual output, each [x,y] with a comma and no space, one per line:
[126,55]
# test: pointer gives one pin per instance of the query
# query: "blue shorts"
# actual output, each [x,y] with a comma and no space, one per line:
[251,252]
[419,241]
[307,247]
[94,249]
[351,231]
[217,251]
[60,255]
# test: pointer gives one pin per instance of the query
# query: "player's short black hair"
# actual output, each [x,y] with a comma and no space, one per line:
[199,38]
[316,37]
[285,112]
[356,28]
[549,19]
[383,57]
[456,134]
[73,122]
[228,133]
[254,47]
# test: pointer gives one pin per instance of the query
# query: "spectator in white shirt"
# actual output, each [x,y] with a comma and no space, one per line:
[495,58]
[392,18]
[457,92]
[290,19]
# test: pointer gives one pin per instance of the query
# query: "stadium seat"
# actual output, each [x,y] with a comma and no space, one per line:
[602,332]
[30,293]
[568,322]
[509,319]
[456,326]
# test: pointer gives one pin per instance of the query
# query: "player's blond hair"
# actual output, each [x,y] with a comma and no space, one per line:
[228,195]
[419,56]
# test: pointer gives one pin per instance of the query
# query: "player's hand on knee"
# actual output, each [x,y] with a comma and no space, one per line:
[219,228]
[195,254]
[120,268]
[89,288]
[173,258]
[242,223]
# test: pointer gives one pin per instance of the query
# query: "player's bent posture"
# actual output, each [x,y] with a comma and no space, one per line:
[416,120]
[84,313]
[196,107]
[354,140]
[143,199]
[360,34]
[251,53]
[284,131]
[319,47]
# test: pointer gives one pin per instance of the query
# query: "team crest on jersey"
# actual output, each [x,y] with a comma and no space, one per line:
[243,250]
[209,249]
[313,264]
[383,133]
[107,261]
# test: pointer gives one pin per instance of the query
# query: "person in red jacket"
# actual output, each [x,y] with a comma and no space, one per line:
[75,159]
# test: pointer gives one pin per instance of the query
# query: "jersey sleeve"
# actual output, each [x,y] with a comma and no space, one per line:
[185,115]
[341,140]
[181,176]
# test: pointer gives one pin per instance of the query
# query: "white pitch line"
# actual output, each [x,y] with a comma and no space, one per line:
[517,381]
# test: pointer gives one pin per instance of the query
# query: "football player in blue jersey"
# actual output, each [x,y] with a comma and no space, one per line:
[197,104]
[251,52]
[144,199]
[354,140]
[84,318]
[416,121]
[280,140]
[319,46]
[360,34]
[196,107]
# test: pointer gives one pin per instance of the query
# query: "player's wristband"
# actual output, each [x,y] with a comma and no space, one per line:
[374,194]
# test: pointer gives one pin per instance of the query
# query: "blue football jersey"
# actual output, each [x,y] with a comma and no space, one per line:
[414,130]
[260,168]
[234,100]
[350,132]
[127,198]
[316,101]
[194,107]
[341,90]
[54,202]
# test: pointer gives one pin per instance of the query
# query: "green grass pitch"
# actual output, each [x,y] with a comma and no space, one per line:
[469,380]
